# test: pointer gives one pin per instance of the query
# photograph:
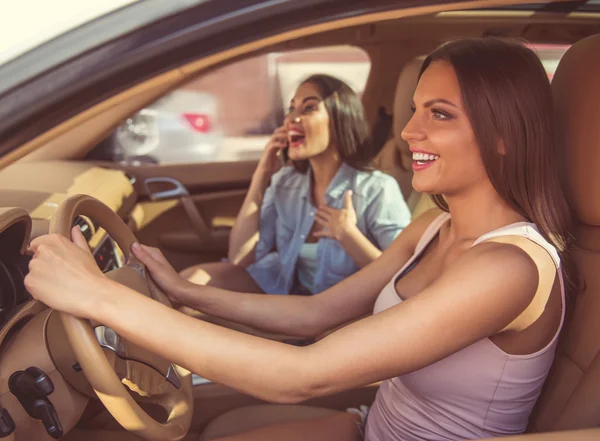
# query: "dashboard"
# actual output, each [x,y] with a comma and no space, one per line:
[13,267]
[37,189]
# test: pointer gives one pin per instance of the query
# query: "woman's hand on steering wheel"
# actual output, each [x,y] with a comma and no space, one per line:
[64,274]
[163,274]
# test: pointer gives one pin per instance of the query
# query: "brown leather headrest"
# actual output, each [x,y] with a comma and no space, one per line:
[576,88]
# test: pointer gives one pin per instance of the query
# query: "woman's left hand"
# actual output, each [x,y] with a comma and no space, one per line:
[337,223]
[64,274]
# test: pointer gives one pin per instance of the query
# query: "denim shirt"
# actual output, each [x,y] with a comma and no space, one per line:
[287,216]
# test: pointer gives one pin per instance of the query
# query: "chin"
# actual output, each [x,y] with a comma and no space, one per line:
[297,157]
[423,186]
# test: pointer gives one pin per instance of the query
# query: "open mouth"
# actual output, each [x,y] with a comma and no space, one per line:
[296,138]
[422,160]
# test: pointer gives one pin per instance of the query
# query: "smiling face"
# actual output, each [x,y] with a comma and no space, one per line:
[446,157]
[307,123]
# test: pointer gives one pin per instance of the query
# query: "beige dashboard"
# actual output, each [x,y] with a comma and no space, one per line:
[40,187]
[30,193]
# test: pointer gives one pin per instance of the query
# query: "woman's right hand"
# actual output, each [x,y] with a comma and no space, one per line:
[165,276]
[269,162]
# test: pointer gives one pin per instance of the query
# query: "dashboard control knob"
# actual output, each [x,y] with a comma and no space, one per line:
[7,425]
[32,388]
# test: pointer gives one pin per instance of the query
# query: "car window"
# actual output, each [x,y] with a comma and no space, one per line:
[227,114]
[550,55]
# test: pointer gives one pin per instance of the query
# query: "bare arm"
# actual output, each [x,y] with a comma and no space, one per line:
[405,338]
[356,244]
[490,284]
[301,316]
[245,232]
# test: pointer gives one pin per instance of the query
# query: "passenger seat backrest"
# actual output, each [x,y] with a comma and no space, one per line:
[394,158]
[571,397]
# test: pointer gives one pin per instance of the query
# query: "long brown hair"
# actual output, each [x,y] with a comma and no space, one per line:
[507,97]
[348,126]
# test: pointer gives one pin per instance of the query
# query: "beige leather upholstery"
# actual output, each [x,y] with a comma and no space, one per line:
[394,158]
[247,418]
[571,398]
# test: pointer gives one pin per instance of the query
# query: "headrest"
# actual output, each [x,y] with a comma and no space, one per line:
[405,89]
[576,89]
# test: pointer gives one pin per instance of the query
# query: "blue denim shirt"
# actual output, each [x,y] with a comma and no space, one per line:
[287,216]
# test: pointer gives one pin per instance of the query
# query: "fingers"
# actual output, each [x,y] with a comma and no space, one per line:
[79,239]
[279,138]
[151,257]
[155,253]
[37,242]
[280,131]
[348,200]
[327,209]
[143,254]
[321,222]
[322,219]
[47,239]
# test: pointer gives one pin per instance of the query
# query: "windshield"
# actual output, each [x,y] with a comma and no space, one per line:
[26,24]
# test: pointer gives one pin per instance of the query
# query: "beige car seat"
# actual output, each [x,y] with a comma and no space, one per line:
[571,398]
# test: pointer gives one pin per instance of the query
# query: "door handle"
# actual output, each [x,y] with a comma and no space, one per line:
[179,191]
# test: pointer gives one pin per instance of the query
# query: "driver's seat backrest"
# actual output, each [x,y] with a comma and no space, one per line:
[394,158]
[571,397]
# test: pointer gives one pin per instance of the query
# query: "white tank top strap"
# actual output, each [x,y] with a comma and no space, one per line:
[426,237]
[531,232]
[431,231]
[525,229]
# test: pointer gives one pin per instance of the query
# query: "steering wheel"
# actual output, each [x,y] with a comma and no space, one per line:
[155,379]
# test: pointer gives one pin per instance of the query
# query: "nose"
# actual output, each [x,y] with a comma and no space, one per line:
[412,130]
[292,117]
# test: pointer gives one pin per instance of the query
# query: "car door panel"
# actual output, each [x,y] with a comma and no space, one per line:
[188,210]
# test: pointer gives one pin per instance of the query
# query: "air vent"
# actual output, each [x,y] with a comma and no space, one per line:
[84,224]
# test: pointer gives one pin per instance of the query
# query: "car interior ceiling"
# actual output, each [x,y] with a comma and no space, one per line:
[394,44]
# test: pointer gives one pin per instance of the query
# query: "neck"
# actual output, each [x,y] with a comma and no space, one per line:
[324,167]
[478,212]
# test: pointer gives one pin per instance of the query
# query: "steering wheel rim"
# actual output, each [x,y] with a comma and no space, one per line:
[177,401]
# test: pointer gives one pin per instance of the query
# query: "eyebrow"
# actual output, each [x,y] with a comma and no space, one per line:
[307,99]
[439,100]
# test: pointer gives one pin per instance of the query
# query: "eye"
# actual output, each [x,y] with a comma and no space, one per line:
[413,109]
[289,110]
[309,108]
[440,115]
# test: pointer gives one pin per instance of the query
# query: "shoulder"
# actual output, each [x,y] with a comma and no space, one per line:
[503,256]
[494,267]
[375,183]
[375,178]
[421,224]
[410,236]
